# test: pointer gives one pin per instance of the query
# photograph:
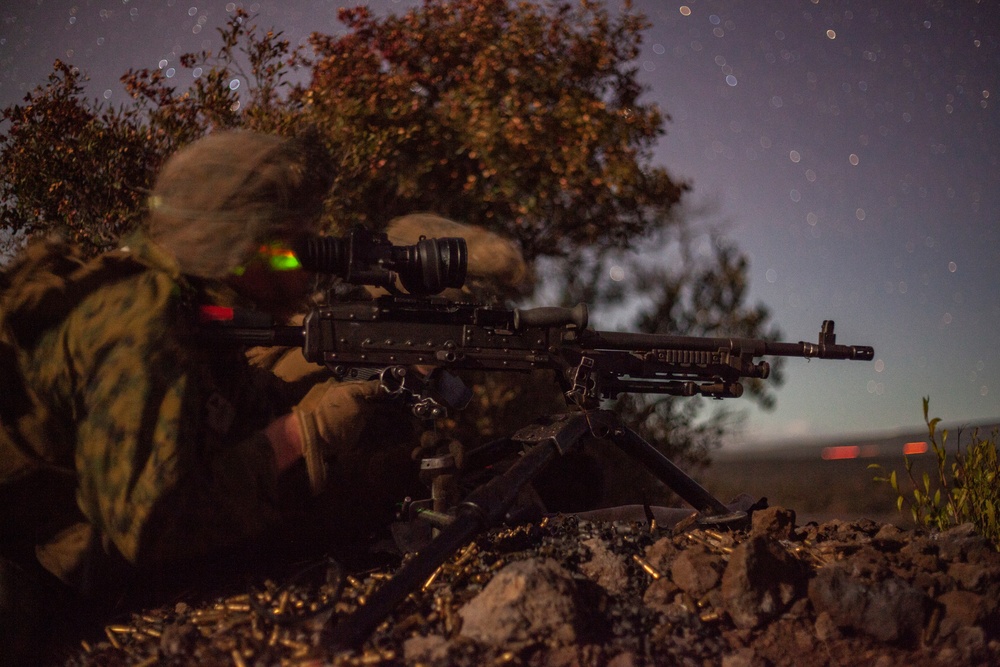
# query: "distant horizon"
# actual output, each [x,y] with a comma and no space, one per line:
[809,443]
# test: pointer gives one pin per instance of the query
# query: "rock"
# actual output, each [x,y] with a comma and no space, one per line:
[743,657]
[961,609]
[761,580]
[826,629]
[526,601]
[879,597]
[962,543]
[889,609]
[971,641]
[626,659]
[432,649]
[968,576]
[696,571]
[661,553]
[660,593]
[605,567]
[890,533]
[565,656]
[774,522]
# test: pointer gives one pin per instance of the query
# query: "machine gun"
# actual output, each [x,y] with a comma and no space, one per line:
[389,336]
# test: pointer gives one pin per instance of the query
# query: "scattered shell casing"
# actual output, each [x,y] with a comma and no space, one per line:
[375,657]
[111,638]
[430,579]
[647,567]
[238,658]
[933,625]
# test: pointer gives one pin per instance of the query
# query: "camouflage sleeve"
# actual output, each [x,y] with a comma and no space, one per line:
[168,467]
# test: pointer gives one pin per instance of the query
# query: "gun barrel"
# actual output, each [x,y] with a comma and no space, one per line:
[613,340]
[820,351]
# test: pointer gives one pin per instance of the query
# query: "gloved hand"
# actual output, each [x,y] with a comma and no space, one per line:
[331,417]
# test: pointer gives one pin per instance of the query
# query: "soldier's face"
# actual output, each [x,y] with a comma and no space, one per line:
[273,279]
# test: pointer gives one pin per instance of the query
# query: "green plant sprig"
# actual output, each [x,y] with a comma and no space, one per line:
[967,489]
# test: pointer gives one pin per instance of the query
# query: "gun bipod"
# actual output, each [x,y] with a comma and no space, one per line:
[487,506]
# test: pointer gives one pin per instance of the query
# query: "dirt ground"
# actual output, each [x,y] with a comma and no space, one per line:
[566,591]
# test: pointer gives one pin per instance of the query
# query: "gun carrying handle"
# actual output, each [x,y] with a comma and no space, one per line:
[551,317]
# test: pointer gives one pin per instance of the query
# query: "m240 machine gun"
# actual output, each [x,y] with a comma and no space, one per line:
[390,336]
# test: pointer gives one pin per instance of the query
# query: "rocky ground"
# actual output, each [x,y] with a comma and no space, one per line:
[572,592]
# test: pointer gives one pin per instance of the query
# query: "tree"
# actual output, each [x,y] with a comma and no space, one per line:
[522,117]
[517,116]
[83,168]
[72,166]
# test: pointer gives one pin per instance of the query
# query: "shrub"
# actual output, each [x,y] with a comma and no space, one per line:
[967,489]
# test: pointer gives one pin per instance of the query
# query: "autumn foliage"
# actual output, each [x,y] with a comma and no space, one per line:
[508,115]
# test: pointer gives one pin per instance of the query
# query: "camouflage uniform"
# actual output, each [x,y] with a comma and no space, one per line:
[161,436]
[124,438]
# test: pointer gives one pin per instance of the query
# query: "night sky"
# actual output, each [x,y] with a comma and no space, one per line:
[851,151]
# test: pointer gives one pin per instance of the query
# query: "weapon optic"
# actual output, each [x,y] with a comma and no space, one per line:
[369,258]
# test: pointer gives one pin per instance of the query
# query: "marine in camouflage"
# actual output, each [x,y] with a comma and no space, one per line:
[120,429]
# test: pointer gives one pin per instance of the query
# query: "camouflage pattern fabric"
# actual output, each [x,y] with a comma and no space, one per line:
[161,437]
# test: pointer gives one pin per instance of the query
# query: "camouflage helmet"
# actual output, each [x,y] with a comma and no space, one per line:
[218,198]
[496,265]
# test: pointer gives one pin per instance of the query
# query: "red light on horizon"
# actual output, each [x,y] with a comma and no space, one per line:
[915,448]
[841,452]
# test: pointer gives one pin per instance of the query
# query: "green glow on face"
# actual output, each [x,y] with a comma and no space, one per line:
[281,259]
[275,256]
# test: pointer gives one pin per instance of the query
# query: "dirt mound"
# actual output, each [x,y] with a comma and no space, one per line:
[568,592]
